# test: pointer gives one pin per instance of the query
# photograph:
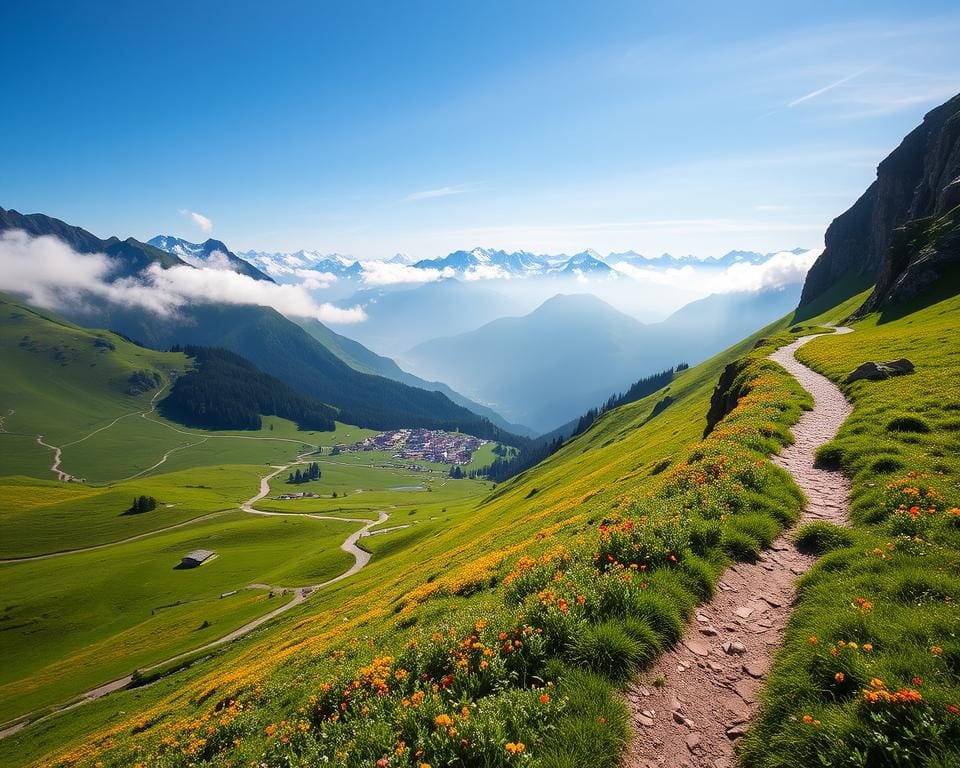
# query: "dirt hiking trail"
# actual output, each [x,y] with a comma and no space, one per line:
[714,673]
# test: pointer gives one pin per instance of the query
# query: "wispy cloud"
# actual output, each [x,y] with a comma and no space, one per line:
[826,88]
[205,224]
[429,194]
[51,274]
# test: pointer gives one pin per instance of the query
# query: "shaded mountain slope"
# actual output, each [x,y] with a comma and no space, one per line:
[224,391]
[130,255]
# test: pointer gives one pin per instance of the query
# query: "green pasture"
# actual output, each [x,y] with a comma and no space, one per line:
[75,621]
[364,484]
[44,516]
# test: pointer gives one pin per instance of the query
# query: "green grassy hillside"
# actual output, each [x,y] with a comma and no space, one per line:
[63,381]
[278,346]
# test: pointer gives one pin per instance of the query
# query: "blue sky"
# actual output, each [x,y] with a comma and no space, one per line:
[422,127]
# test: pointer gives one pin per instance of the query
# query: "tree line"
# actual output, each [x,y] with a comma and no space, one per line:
[505,467]
[225,391]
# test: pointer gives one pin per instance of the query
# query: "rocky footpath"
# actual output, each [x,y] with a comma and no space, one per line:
[689,710]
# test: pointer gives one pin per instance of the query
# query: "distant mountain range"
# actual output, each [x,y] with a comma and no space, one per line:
[281,265]
[488,263]
[569,354]
[400,317]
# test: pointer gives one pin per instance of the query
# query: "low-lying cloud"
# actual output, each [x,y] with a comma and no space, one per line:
[784,268]
[391,273]
[781,269]
[51,274]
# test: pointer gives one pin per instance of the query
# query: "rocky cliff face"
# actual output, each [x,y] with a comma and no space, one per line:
[919,179]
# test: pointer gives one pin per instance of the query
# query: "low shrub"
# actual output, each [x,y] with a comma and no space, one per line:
[609,650]
[887,464]
[697,576]
[662,615]
[758,527]
[821,537]
[595,725]
[829,455]
[908,424]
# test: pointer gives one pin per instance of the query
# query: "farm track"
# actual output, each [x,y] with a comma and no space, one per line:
[713,675]
[146,534]
[66,477]
[300,594]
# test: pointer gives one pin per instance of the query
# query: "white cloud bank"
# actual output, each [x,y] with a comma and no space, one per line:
[784,268]
[781,269]
[52,275]
[390,273]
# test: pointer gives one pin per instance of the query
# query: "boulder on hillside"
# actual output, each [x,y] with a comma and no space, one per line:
[879,371]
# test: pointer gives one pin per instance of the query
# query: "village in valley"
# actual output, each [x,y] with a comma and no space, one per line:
[423,444]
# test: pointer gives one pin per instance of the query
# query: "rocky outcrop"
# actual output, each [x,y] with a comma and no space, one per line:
[919,179]
[726,394]
[923,252]
[879,371]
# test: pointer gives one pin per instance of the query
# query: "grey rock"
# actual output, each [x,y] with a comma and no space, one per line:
[879,371]
[734,647]
[693,741]
[683,719]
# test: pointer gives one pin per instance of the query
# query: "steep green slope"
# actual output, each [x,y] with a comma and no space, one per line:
[92,394]
[224,391]
[63,381]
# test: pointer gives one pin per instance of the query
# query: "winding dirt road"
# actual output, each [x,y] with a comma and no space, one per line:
[713,675]
[57,459]
[361,558]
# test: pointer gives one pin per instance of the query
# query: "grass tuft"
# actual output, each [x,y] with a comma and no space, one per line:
[609,650]
[821,537]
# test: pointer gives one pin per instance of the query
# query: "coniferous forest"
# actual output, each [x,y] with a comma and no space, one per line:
[224,391]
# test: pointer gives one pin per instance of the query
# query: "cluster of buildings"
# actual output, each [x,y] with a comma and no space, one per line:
[425,444]
[297,495]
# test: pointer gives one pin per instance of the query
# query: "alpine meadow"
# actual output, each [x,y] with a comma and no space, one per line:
[426,385]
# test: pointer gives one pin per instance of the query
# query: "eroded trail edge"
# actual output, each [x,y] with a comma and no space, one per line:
[713,675]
